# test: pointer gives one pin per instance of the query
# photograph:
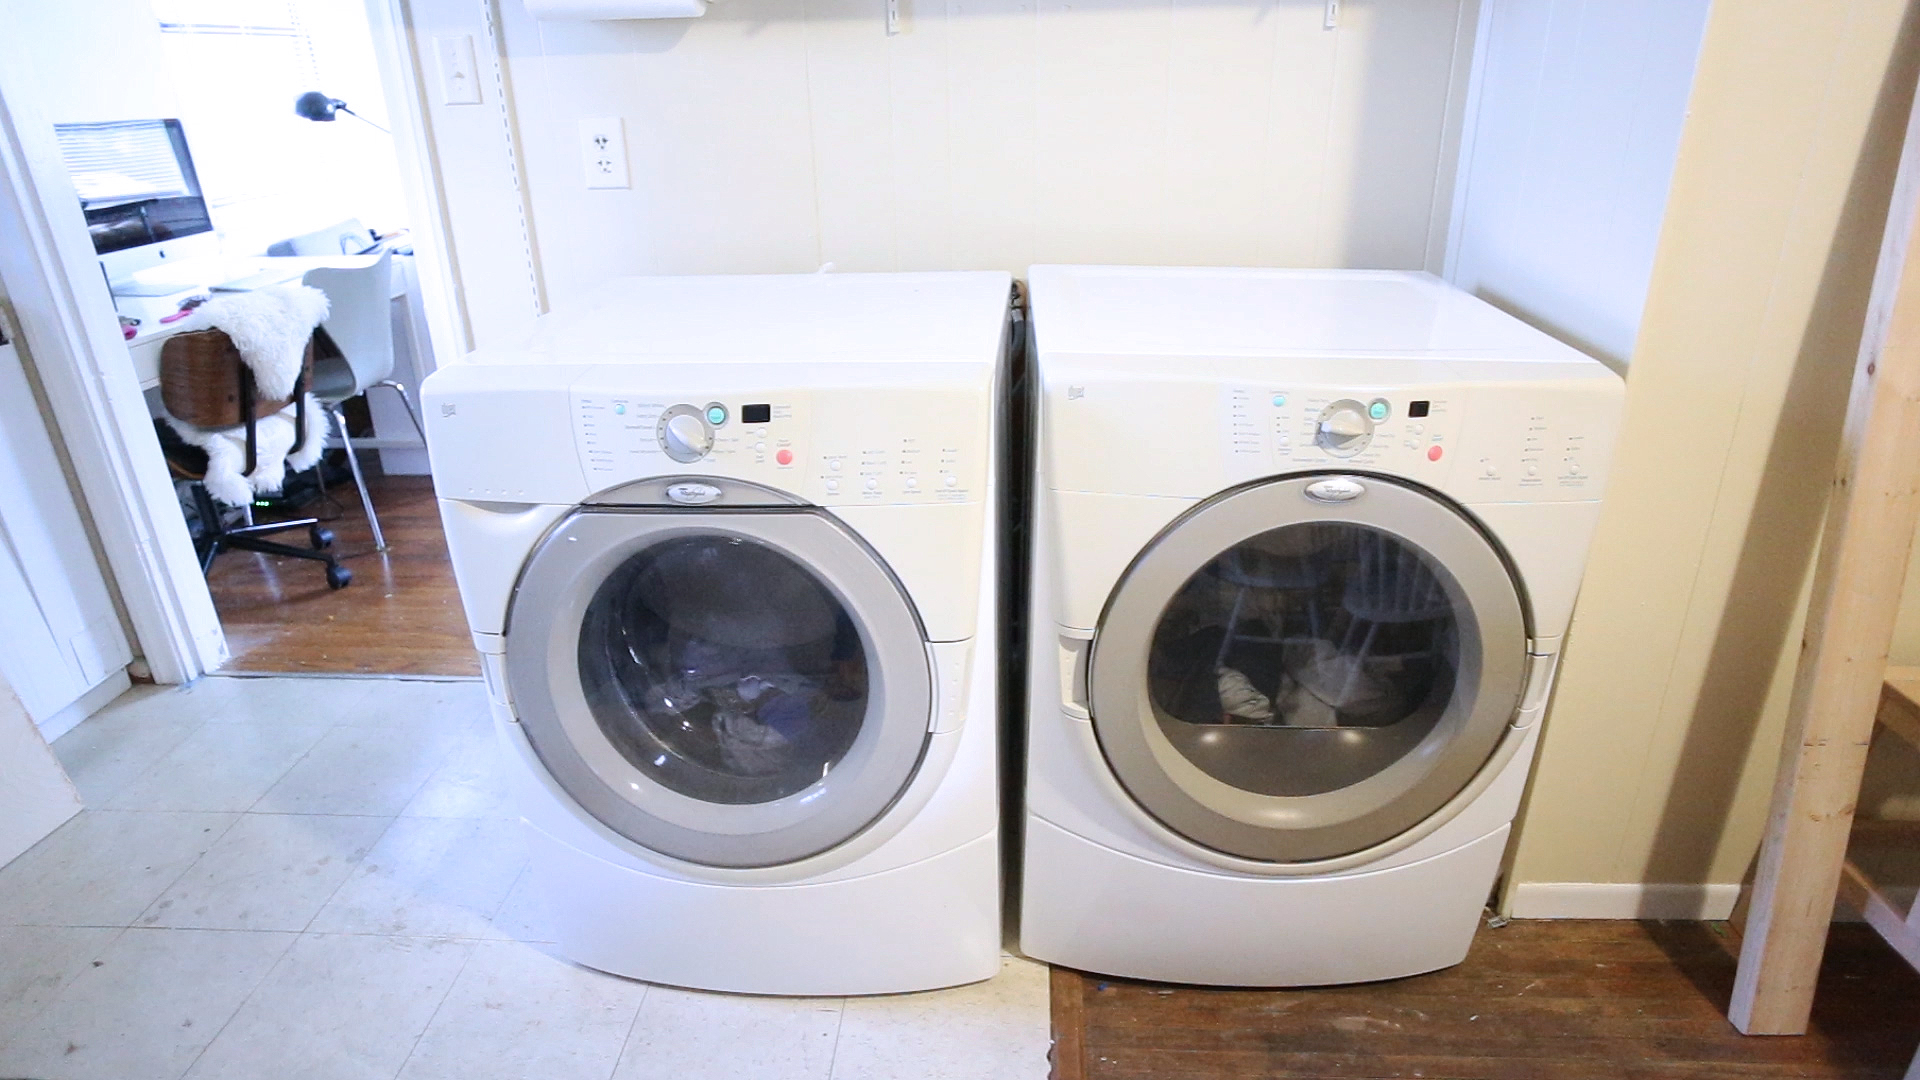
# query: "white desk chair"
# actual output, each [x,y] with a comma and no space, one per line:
[360,322]
[349,237]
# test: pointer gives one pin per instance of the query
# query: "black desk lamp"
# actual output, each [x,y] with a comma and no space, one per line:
[315,105]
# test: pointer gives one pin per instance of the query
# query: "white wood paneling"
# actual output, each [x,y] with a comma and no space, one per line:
[62,634]
[775,136]
[1577,119]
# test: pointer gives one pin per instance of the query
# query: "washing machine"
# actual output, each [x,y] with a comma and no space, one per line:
[1306,546]
[724,545]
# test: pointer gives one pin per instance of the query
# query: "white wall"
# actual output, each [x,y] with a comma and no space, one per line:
[96,59]
[1660,748]
[1576,119]
[776,136]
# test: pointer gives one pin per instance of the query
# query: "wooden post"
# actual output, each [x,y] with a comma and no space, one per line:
[1856,596]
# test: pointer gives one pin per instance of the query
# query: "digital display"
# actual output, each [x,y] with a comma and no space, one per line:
[1417,409]
[755,414]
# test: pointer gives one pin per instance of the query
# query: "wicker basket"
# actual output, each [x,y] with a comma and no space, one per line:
[204,382]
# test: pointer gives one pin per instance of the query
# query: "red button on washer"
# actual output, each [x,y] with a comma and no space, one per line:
[785,457]
[1433,453]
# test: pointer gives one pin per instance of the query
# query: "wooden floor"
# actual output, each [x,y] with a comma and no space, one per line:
[401,615]
[1534,1001]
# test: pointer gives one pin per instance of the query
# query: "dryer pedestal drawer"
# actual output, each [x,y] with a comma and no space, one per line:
[1209,928]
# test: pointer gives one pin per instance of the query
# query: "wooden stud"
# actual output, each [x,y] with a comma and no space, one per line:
[1856,596]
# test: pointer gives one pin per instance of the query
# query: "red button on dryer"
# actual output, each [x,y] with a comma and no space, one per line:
[1433,453]
[784,457]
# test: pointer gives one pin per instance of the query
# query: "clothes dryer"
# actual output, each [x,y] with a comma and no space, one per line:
[1306,546]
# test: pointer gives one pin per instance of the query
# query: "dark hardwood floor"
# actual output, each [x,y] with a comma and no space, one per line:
[401,615]
[1533,1001]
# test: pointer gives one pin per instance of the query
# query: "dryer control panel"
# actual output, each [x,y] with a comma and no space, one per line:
[1482,442]
[878,446]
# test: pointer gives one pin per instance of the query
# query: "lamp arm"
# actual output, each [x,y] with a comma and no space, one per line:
[362,119]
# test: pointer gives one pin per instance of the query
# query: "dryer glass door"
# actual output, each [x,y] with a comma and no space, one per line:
[1288,677]
[728,688]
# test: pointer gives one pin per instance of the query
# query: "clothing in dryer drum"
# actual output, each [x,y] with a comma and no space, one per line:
[1295,632]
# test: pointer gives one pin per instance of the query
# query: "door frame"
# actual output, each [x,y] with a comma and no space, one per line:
[61,303]
[62,306]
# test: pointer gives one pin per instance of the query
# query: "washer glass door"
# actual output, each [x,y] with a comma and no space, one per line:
[1303,669]
[728,688]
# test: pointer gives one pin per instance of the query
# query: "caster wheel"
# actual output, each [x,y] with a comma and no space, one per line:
[338,577]
[320,536]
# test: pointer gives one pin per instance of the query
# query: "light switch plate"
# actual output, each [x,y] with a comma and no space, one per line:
[459,74]
[603,153]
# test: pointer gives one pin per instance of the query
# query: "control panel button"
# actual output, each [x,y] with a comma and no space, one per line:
[620,410]
[1378,410]
[784,457]
[834,464]
[1434,453]
[833,487]
[873,483]
[1279,401]
[951,481]
[912,483]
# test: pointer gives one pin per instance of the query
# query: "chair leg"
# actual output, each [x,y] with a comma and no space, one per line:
[406,402]
[359,481]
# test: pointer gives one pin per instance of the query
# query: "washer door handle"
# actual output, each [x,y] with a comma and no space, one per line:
[1336,489]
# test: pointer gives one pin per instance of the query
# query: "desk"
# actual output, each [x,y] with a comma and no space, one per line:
[145,343]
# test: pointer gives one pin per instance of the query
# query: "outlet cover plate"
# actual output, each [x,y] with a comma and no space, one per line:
[603,153]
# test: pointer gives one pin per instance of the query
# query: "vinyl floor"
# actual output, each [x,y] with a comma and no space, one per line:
[295,878]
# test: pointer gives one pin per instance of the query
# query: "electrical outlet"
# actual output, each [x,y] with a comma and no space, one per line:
[603,153]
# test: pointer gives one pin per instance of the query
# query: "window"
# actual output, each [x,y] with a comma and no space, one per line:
[237,66]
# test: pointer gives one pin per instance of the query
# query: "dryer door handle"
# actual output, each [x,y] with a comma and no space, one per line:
[1074,651]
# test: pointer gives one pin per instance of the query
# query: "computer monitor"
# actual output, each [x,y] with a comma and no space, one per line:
[141,197]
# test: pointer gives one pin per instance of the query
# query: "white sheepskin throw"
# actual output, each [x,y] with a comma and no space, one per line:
[274,453]
[270,327]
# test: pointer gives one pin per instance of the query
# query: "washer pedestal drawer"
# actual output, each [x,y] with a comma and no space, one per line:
[929,924]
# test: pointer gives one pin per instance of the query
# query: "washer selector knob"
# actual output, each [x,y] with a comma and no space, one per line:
[684,433]
[1344,428]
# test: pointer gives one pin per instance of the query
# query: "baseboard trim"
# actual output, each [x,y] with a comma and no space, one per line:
[85,705]
[1613,900]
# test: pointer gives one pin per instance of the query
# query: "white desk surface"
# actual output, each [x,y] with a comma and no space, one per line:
[146,342]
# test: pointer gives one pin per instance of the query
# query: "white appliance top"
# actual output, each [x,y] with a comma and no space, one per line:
[1178,311]
[931,317]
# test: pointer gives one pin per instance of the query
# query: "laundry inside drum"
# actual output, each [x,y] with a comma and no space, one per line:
[1306,659]
[723,670]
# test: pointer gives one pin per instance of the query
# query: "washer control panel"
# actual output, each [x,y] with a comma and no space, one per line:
[878,446]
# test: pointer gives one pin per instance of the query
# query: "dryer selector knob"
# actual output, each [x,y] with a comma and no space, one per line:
[684,434]
[1344,429]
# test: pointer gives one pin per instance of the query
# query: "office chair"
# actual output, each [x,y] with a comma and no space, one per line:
[359,328]
[204,383]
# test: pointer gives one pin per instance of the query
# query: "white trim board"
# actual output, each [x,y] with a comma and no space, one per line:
[86,705]
[1618,900]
